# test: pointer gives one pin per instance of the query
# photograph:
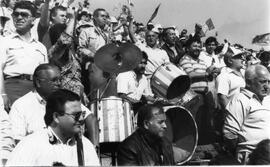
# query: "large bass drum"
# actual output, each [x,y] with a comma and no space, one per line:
[115,118]
[169,81]
[182,132]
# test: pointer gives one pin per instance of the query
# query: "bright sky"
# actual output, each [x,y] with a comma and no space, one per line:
[237,20]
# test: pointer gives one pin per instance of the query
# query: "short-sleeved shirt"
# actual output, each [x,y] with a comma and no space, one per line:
[228,83]
[189,65]
[44,148]
[248,119]
[156,57]
[128,84]
[21,57]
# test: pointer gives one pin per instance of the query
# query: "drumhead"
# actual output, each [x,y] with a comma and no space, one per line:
[179,86]
[181,131]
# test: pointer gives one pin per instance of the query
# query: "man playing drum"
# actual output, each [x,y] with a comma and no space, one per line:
[133,85]
[200,75]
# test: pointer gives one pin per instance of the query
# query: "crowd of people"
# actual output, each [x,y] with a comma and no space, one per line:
[50,77]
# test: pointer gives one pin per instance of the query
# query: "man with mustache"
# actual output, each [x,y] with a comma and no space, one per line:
[200,75]
[133,85]
[247,119]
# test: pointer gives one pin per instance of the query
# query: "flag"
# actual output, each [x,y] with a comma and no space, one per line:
[210,24]
[154,14]
[130,3]
[262,40]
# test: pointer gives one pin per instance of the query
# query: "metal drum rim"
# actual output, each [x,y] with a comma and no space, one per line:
[196,137]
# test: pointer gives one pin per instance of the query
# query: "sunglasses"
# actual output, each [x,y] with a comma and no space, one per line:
[77,115]
[23,14]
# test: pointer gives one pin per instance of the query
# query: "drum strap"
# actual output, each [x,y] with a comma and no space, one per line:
[80,151]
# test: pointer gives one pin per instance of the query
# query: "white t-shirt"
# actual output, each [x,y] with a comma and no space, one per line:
[127,84]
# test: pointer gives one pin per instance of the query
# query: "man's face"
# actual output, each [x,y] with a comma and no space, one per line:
[48,81]
[70,123]
[195,49]
[101,19]
[170,37]
[156,125]
[60,17]
[23,20]
[260,84]
[210,48]
[238,62]
[151,38]
[141,67]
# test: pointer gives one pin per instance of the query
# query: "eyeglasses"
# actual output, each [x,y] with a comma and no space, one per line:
[23,14]
[55,81]
[77,115]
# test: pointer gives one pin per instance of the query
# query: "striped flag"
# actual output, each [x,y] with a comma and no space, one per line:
[210,24]
[262,40]
[154,14]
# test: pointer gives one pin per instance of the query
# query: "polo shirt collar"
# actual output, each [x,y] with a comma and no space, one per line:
[18,36]
[250,94]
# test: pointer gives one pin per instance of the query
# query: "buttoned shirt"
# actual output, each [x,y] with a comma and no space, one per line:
[92,38]
[129,85]
[189,65]
[156,57]
[44,148]
[248,119]
[27,115]
[6,139]
[21,57]
[229,82]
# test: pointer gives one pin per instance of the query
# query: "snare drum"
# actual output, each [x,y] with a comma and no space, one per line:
[169,81]
[115,118]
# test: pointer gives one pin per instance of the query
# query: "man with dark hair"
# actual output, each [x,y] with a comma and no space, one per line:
[19,60]
[133,85]
[58,15]
[95,36]
[209,56]
[147,145]
[172,45]
[247,119]
[61,142]
[200,76]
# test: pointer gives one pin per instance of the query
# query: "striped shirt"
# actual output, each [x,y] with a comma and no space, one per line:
[189,65]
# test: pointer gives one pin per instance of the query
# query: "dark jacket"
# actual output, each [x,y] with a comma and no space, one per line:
[144,149]
[179,49]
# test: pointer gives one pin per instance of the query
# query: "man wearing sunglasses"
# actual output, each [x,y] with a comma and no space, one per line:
[20,54]
[60,143]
